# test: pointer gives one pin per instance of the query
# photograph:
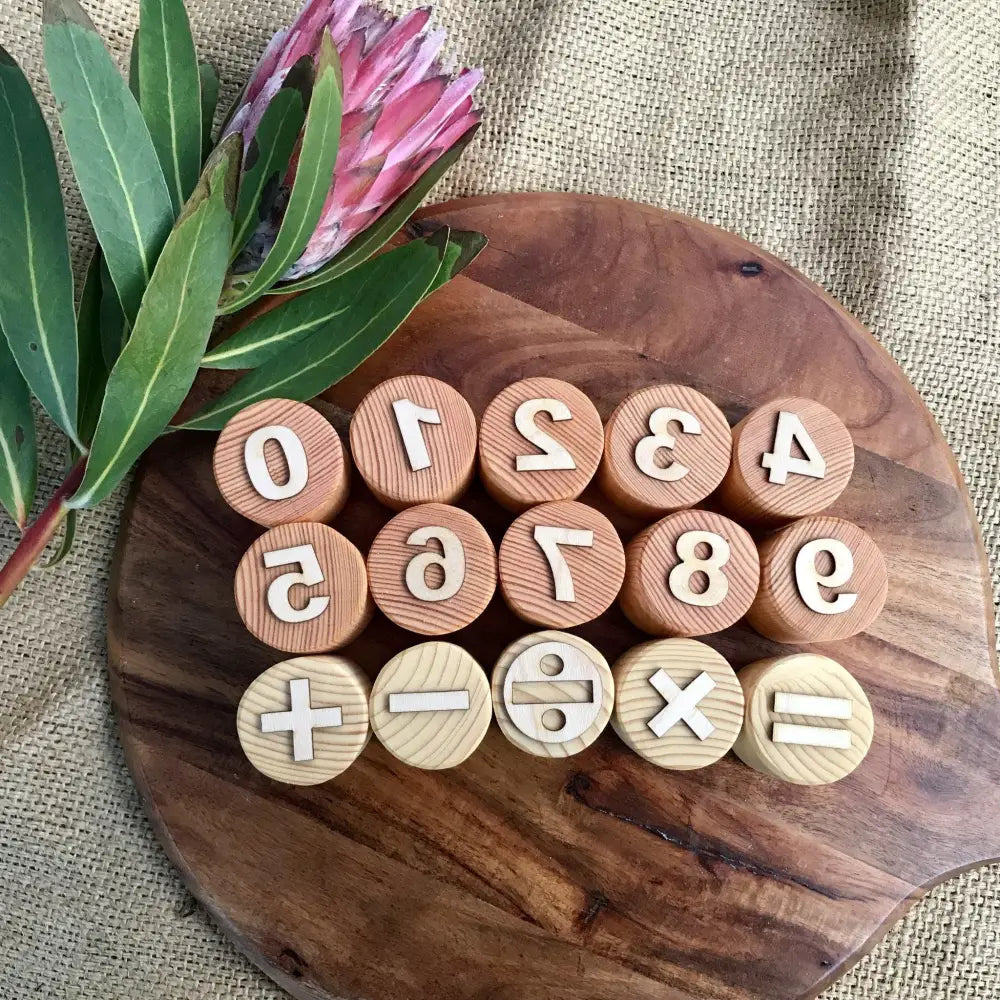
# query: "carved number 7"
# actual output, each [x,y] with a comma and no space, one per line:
[549,538]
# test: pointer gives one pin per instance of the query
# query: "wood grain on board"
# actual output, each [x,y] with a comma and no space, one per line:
[597,876]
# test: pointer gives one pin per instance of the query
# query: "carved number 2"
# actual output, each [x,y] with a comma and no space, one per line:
[554,455]
[409,417]
[780,460]
[549,539]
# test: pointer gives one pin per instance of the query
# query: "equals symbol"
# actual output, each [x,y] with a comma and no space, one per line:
[812,706]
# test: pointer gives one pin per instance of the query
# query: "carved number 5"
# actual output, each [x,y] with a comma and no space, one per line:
[554,455]
[549,539]
[277,592]
[659,423]
[409,417]
[780,460]
[451,559]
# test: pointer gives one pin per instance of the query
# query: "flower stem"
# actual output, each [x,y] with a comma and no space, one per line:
[39,534]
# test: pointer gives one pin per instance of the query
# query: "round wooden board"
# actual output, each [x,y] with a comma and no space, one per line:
[597,876]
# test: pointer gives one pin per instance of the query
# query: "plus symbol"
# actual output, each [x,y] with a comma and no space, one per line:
[301,720]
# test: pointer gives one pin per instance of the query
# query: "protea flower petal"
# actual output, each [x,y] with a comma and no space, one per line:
[402,112]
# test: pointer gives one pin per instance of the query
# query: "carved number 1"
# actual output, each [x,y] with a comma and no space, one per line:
[409,417]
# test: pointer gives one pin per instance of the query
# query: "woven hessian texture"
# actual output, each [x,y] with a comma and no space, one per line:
[857,140]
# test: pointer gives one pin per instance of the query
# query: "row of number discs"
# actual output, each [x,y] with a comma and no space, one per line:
[675,702]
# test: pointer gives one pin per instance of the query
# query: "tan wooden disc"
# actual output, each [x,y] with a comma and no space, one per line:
[808,721]
[305,720]
[694,572]
[678,703]
[540,439]
[809,571]
[302,588]
[666,447]
[432,569]
[413,439]
[553,693]
[431,705]
[561,564]
[772,479]
[279,461]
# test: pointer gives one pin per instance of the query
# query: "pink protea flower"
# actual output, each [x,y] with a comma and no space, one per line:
[402,110]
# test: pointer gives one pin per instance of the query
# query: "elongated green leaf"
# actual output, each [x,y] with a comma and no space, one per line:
[114,326]
[385,227]
[110,148]
[133,66]
[463,247]
[209,102]
[170,93]
[36,281]
[93,369]
[65,543]
[271,148]
[159,362]
[18,460]
[313,173]
[304,369]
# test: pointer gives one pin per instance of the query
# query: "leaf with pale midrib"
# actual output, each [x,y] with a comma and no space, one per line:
[157,366]
[18,460]
[209,101]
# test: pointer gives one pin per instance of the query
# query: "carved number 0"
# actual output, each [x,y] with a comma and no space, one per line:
[409,417]
[256,463]
[808,580]
[780,460]
[679,580]
[659,423]
[554,455]
[277,592]
[451,559]
[549,539]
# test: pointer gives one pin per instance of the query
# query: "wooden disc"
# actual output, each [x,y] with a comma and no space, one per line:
[692,573]
[540,439]
[791,457]
[413,439]
[678,703]
[302,588]
[666,447]
[821,579]
[305,720]
[552,693]
[808,721]
[561,564]
[432,569]
[430,705]
[278,461]
[598,876]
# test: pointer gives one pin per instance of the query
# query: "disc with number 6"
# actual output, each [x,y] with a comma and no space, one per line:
[822,578]
[432,569]
[692,573]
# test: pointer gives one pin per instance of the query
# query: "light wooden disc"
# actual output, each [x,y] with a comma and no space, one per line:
[432,569]
[582,580]
[786,605]
[333,683]
[790,744]
[311,459]
[338,603]
[431,705]
[749,493]
[571,433]
[553,693]
[709,590]
[678,703]
[406,460]
[666,447]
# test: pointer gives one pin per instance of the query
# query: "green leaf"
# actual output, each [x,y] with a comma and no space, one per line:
[385,227]
[110,149]
[209,101]
[271,149]
[396,284]
[159,362]
[133,66]
[313,173]
[114,326]
[93,369]
[65,544]
[170,93]
[463,247]
[18,459]
[36,281]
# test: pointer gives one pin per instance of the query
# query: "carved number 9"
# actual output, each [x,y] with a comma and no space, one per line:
[277,592]
[256,463]
[809,580]
[554,455]
[679,580]
[659,423]
[451,559]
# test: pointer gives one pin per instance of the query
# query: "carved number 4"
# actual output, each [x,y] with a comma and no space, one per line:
[780,461]
[549,539]
[409,417]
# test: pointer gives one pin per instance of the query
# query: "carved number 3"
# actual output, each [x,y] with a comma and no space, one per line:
[311,574]
[679,580]
[659,423]
[409,417]
[451,559]
[780,460]
[295,457]
[554,455]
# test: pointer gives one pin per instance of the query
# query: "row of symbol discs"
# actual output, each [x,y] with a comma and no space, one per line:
[302,587]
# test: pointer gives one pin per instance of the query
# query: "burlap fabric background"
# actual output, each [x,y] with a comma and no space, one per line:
[858,140]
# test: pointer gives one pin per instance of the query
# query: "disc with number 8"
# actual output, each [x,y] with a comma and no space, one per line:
[692,573]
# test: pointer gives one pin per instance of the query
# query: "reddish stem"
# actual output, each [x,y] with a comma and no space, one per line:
[39,534]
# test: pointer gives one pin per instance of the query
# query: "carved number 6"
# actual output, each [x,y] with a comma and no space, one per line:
[554,455]
[277,592]
[679,580]
[451,559]
[659,423]
[809,580]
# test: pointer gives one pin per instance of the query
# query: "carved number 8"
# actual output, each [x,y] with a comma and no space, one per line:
[679,580]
